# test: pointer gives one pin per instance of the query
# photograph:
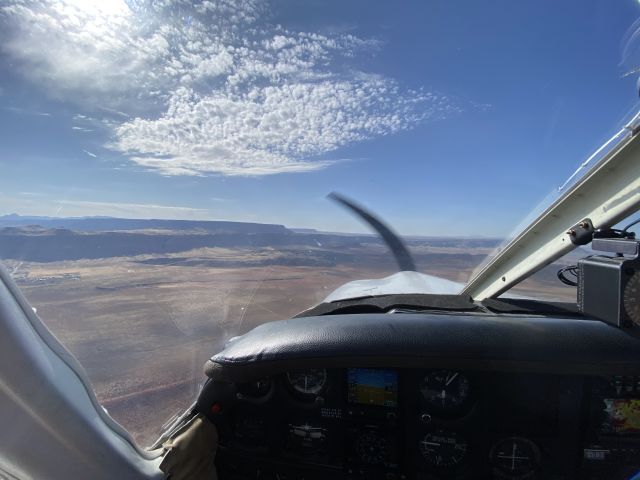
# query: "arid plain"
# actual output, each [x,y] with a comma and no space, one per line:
[143,325]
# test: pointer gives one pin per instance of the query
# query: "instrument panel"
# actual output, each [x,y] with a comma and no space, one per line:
[366,423]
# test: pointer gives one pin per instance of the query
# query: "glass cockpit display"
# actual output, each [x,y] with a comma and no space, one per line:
[372,387]
[621,416]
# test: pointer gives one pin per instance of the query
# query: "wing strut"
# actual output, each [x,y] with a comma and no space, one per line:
[605,195]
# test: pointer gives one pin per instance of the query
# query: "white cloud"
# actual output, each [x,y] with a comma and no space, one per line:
[26,204]
[132,210]
[89,153]
[23,111]
[265,130]
[210,88]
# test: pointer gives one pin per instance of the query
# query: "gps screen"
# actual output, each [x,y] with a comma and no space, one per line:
[372,387]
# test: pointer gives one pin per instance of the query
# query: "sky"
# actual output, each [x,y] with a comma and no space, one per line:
[444,117]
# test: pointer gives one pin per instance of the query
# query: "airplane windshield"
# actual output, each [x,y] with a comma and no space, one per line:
[165,165]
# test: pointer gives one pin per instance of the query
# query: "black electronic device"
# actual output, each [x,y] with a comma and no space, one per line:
[611,448]
[609,285]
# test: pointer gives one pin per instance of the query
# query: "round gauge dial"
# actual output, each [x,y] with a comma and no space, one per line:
[255,389]
[308,382]
[515,458]
[444,449]
[372,448]
[445,389]
[631,298]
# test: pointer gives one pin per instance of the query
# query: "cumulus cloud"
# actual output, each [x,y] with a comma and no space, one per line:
[211,87]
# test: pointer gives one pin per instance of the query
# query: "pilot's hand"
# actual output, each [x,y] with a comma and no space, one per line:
[190,454]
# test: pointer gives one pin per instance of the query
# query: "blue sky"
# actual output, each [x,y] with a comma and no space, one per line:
[446,118]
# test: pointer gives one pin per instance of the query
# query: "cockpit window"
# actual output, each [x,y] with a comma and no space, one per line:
[164,165]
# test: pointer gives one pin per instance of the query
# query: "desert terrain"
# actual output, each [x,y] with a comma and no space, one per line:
[142,311]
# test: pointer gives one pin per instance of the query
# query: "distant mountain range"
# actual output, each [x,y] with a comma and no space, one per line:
[47,239]
[110,224]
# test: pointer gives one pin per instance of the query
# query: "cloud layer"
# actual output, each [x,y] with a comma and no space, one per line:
[31,203]
[211,88]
